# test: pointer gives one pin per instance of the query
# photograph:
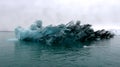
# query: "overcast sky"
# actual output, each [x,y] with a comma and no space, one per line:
[100,13]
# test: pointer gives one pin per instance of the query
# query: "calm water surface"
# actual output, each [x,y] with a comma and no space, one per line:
[14,53]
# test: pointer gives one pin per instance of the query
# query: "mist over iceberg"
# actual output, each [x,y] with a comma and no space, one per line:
[73,31]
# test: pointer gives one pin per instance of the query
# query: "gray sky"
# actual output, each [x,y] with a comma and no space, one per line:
[100,13]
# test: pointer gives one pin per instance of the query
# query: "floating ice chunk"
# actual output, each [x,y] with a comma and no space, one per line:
[85,46]
[12,39]
[61,33]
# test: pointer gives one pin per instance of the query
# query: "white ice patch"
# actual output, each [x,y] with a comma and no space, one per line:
[13,39]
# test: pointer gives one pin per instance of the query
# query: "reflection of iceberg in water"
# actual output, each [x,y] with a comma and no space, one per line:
[40,54]
[63,33]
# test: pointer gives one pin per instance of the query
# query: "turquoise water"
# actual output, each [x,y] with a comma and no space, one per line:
[14,53]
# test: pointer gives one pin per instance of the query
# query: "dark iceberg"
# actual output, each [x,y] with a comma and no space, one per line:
[70,32]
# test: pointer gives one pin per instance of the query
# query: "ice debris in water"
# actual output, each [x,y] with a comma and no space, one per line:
[70,32]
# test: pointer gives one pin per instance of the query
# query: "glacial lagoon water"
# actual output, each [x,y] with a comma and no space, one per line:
[14,53]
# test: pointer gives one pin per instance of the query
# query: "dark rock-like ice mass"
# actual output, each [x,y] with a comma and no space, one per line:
[70,32]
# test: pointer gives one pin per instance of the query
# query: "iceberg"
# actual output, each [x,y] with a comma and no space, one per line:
[70,32]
